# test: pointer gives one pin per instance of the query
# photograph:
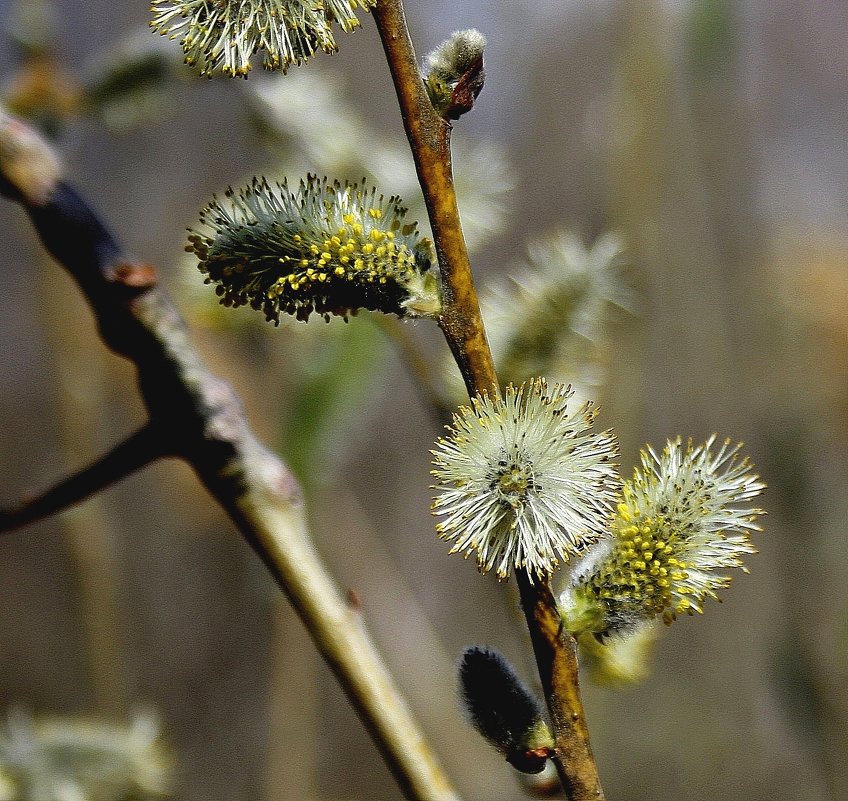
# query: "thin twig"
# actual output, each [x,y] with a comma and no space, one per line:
[461,321]
[132,454]
[419,365]
[202,420]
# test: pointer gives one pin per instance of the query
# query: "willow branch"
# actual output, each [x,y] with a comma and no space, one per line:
[429,136]
[138,450]
[462,323]
[203,422]
[556,658]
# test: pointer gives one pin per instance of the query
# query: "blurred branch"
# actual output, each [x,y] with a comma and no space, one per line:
[420,367]
[132,454]
[200,418]
[462,324]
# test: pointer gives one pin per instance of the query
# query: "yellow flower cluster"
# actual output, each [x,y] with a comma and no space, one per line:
[326,247]
[643,564]
[349,254]
[681,519]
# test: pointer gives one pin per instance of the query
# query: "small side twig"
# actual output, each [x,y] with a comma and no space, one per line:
[138,450]
[421,368]
[461,321]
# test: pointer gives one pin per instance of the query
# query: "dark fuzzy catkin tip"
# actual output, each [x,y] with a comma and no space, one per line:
[500,707]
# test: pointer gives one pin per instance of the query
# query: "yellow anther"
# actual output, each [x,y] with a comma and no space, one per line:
[375,213]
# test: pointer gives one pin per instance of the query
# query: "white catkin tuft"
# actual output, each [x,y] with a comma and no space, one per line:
[524,482]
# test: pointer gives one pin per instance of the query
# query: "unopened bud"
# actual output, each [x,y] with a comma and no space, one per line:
[503,710]
[454,74]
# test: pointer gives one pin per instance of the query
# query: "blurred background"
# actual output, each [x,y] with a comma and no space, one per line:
[707,140]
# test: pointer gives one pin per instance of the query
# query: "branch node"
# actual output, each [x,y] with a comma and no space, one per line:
[132,276]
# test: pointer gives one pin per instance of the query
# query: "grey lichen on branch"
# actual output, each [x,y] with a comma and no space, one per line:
[203,422]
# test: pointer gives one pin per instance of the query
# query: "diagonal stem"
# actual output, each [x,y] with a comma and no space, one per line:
[201,419]
[556,658]
[462,324]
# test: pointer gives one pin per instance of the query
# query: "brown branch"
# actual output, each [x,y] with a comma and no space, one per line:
[429,136]
[132,454]
[556,658]
[461,321]
[202,420]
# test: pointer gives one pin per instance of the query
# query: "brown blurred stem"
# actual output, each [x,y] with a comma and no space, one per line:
[202,421]
[462,323]
[419,365]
